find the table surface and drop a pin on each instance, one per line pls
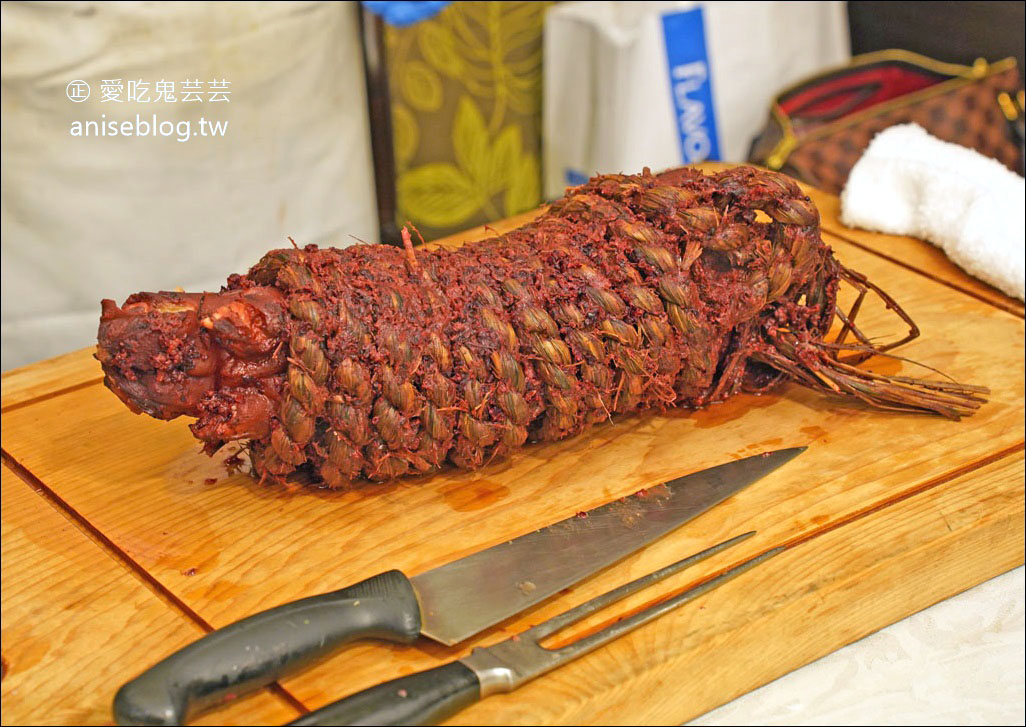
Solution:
(958, 662)
(109, 616)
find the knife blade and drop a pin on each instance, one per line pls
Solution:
(465, 597)
(449, 603)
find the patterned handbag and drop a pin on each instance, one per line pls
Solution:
(819, 128)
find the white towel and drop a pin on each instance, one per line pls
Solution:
(910, 183)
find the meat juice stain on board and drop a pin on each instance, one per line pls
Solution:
(473, 495)
(718, 414)
(814, 432)
(31, 650)
(187, 473)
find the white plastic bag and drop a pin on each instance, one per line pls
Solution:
(659, 84)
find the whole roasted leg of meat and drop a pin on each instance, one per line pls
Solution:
(630, 292)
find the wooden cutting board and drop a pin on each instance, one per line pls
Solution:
(121, 542)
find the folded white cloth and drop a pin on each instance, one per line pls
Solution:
(910, 183)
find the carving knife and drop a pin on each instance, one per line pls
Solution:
(449, 603)
(428, 697)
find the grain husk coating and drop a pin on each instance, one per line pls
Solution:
(630, 293)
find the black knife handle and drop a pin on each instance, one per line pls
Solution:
(257, 650)
(427, 697)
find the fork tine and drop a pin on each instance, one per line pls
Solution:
(615, 630)
(577, 613)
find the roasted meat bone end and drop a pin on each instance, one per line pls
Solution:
(214, 356)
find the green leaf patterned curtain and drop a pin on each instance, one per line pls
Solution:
(466, 89)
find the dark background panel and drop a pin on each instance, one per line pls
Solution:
(957, 32)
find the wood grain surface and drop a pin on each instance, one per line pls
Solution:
(76, 621)
(50, 378)
(888, 513)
